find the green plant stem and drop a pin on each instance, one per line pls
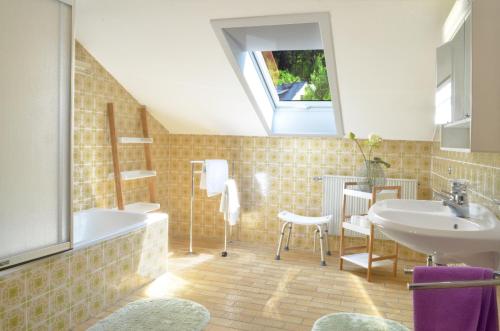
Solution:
(361, 149)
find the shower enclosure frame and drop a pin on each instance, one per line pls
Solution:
(64, 162)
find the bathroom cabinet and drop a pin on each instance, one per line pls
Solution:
(469, 67)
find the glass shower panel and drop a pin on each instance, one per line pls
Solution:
(36, 46)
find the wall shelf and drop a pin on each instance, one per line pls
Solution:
(142, 207)
(118, 175)
(456, 149)
(134, 174)
(464, 123)
(134, 140)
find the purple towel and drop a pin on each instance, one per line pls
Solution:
(459, 309)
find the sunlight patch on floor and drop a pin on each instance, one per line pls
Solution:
(166, 285)
(271, 308)
(181, 262)
(362, 290)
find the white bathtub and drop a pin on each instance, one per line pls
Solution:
(95, 225)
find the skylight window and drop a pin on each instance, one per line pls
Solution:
(295, 75)
(286, 65)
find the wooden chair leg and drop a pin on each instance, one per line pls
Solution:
(342, 220)
(370, 253)
(395, 265)
(341, 249)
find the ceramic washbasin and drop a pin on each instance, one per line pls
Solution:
(431, 228)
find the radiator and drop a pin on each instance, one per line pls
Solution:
(332, 198)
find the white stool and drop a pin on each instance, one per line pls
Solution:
(321, 224)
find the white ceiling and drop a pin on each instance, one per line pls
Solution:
(165, 54)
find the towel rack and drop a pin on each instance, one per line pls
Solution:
(453, 284)
(193, 172)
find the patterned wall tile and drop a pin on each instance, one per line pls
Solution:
(94, 88)
(480, 170)
(274, 174)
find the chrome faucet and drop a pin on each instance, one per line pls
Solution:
(456, 199)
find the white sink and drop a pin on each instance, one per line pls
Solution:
(431, 228)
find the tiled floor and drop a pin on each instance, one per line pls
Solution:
(249, 290)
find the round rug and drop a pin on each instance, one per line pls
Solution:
(356, 322)
(156, 315)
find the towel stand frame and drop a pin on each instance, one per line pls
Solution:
(194, 172)
(453, 284)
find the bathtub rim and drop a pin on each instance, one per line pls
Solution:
(150, 219)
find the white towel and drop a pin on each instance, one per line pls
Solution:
(214, 176)
(387, 194)
(230, 202)
(360, 220)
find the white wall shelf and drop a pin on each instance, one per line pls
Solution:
(142, 207)
(456, 149)
(134, 140)
(465, 123)
(118, 175)
(134, 174)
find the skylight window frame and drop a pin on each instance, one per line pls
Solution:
(278, 105)
(239, 37)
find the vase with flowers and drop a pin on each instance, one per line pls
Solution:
(373, 167)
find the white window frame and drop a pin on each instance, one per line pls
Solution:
(282, 118)
(267, 81)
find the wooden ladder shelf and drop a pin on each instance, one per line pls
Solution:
(119, 176)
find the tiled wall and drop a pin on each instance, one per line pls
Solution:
(481, 170)
(60, 292)
(284, 166)
(274, 174)
(94, 88)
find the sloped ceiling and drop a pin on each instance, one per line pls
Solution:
(166, 54)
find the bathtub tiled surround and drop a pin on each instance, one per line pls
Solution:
(276, 173)
(60, 292)
(94, 88)
(481, 170)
